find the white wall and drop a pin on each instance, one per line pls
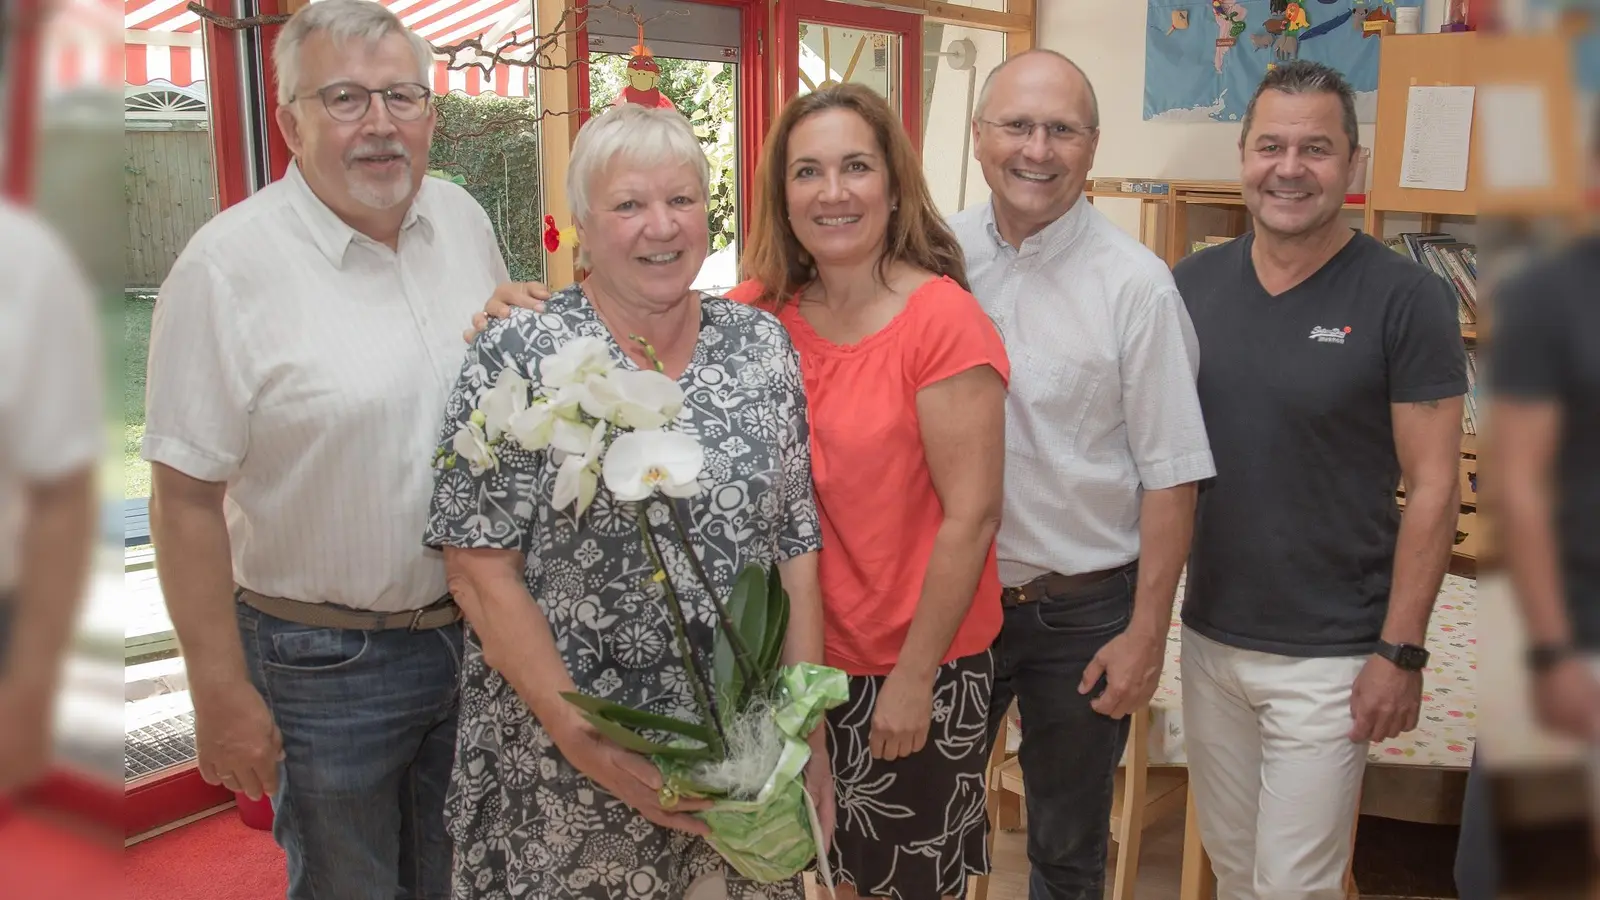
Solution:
(1107, 40)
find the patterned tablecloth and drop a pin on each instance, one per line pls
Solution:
(1444, 735)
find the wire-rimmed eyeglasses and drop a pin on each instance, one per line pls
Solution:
(1056, 132)
(347, 101)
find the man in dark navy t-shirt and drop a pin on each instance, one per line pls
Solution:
(1331, 368)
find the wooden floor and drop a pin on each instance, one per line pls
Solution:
(1160, 863)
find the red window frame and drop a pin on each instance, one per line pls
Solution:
(23, 62)
(907, 25)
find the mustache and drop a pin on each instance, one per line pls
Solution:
(378, 148)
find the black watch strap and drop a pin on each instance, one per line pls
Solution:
(1543, 657)
(1410, 657)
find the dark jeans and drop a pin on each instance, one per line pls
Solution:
(369, 725)
(1069, 752)
(1477, 851)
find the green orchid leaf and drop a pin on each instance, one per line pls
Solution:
(748, 595)
(629, 717)
(729, 679)
(777, 626)
(752, 619)
(777, 631)
(627, 740)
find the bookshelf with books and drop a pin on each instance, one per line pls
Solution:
(1406, 62)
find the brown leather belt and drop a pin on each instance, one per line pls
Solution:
(325, 615)
(1052, 583)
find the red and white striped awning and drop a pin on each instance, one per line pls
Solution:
(162, 42)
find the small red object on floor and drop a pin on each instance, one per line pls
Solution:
(256, 813)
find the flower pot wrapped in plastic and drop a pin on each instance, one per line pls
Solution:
(750, 761)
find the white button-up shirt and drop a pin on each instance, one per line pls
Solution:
(51, 394)
(307, 366)
(1102, 404)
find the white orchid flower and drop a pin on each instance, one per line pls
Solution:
(472, 445)
(640, 463)
(579, 475)
(574, 362)
(599, 397)
(571, 438)
(501, 403)
(533, 426)
(568, 402)
(645, 399)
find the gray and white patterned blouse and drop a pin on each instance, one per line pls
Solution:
(524, 821)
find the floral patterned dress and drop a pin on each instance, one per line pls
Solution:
(524, 821)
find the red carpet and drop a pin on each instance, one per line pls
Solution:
(216, 858)
(48, 857)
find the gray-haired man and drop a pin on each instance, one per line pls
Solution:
(301, 351)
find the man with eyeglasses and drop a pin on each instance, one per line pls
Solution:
(301, 350)
(1104, 447)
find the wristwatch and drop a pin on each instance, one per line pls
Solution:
(1407, 656)
(1544, 657)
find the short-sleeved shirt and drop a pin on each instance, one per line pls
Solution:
(1541, 348)
(879, 509)
(1295, 538)
(592, 578)
(1102, 405)
(304, 364)
(51, 388)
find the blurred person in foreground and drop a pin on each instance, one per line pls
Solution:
(51, 438)
(300, 352)
(1541, 474)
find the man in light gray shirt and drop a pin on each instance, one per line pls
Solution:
(1104, 447)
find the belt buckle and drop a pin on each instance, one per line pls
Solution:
(416, 620)
(1011, 596)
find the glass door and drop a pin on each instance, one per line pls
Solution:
(689, 55)
(828, 43)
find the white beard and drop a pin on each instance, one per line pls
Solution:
(379, 194)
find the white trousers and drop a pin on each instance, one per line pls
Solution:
(1274, 773)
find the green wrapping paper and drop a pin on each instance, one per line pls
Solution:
(771, 838)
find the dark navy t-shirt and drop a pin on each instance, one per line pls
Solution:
(1295, 536)
(1542, 347)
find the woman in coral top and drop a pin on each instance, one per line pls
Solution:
(905, 380)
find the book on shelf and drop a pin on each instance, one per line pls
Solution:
(1454, 261)
(1469, 409)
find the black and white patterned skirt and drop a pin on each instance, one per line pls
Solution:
(914, 828)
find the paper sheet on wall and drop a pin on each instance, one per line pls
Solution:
(1438, 138)
(1516, 142)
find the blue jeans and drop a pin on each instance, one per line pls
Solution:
(369, 724)
(1069, 752)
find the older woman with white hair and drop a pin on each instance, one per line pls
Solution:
(553, 573)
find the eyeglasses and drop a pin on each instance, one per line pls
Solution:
(349, 102)
(1056, 132)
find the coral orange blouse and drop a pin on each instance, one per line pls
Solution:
(879, 510)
